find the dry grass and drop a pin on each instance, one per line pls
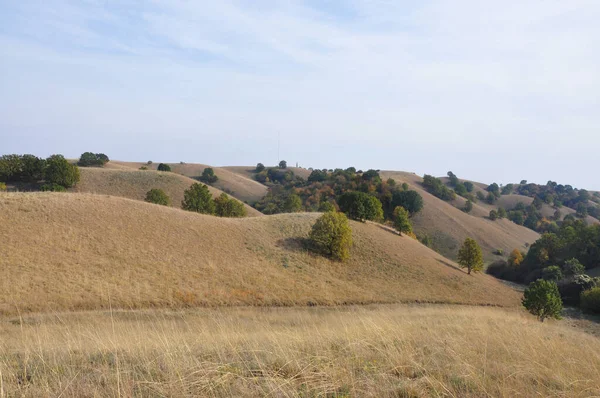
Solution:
(118, 180)
(381, 351)
(242, 187)
(448, 226)
(75, 251)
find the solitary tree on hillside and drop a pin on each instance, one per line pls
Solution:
(199, 199)
(493, 215)
(332, 236)
(543, 300)
(468, 206)
(208, 176)
(283, 164)
(259, 167)
(229, 207)
(470, 256)
(157, 196)
(164, 167)
(401, 221)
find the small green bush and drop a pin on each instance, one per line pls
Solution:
(590, 300)
(2, 186)
(157, 196)
(52, 188)
(331, 235)
(228, 207)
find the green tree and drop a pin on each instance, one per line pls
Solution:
(493, 215)
(360, 206)
(283, 164)
(501, 212)
(331, 235)
(470, 256)
(60, 171)
(542, 299)
(324, 207)
(157, 196)
(453, 179)
(468, 206)
(552, 273)
(208, 176)
(229, 207)
(292, 204)
(32, 168)
(401, 220)
(10, 167)
(469, 186)
(404, 186)
(590, 299)
(89, 159)
(199, 199)
(573, 267)
(259, 167)
(164, 167)
(410, 200)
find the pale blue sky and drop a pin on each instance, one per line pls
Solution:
(494, 91)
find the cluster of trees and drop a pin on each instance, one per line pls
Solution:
(436, 187)
(561, 257)
(361, 195)
(89, 159)
(199, 199)
(52, 174)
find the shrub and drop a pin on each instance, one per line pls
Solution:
(490, 198)
(229, 207)
(499, 252)
(60, 171)
(331, 235)
(208, 176)
(468, 206)
(164, 167)
(158, 196)
(493, 215)
(283, 164)
(501, 212)
(401, 221)
(470, 256)
(199, 199)
(52, 188)
(89, 159)
(570, 289)
(552, 273)
(426, 240)
(573, 267)
(259, 167)
(405, 187)
(542, 299)
(590, 300)
(2, 186)
(360, 206)
(469, 186)
(480, 195)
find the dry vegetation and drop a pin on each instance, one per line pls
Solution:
(241, 187)
(130, 183)
(78, 251)
(448, 226)
(377, 351)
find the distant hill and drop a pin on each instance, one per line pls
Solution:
(448, 226)
(91, 251)
(127, 182)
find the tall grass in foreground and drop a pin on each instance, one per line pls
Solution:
(400, 351)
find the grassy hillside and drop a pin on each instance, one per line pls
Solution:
(448, 226)
(374, 351)
(88, 251)
(241, 187)
(133, 184)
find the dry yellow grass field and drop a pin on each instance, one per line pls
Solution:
(370, 351)
(241, 187)
(119, 180)
(81, 251)
(448, 226)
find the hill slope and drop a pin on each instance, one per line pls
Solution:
(237, 185)
(448, 226)
(133, 184)
(90, 249)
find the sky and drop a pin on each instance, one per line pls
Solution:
(494, 91)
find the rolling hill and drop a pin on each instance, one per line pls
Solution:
(126, 182)
(448, 226)
(90, 251)
(237, 185)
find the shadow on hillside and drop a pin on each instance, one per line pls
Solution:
(294, 244)
(386, 228)
(447, 264)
